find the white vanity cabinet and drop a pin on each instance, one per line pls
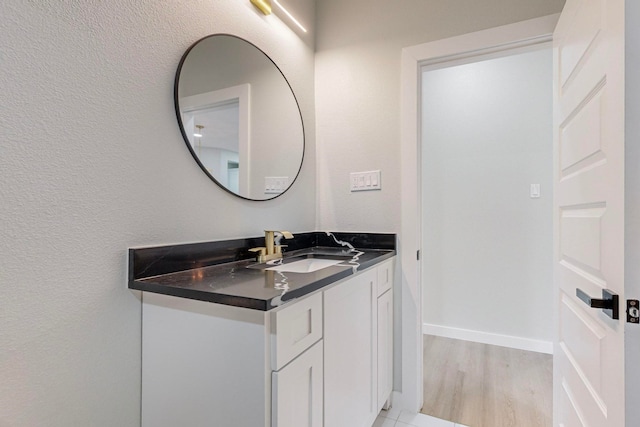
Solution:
(207, 364)
(358, 346)
(297, 364)
(350, 352)
(324, 360)
(203, 364)
(384, 336)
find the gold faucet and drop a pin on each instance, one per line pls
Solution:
(271, 250)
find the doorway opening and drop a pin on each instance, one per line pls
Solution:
(487, 237)
(460, 48)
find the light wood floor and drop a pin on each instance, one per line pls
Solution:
(481, 385)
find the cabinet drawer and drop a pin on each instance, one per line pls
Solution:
(294, 329)
(385, 276)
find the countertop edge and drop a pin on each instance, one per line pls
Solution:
(253, 303)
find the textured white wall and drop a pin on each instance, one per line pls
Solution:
(91, 163)
(358, 92)
(486, 136)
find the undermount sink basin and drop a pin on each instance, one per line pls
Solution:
(307, 265)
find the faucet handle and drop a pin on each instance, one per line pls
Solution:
(278, 248)
(261, 249)
(262, 252)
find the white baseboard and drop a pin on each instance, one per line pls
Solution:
(528, 344)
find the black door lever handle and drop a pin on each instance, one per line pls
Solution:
(608, 303)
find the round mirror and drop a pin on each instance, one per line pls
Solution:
(239, 117)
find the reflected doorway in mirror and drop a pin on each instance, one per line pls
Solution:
(217, 126)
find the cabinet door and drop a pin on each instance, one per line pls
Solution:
(385, 347)
(297, 391)
(349, 356)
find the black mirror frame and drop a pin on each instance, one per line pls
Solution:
(184, 134)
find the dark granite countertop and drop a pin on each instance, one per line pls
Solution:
(208, 276)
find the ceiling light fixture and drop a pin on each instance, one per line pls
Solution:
(263, 5)
(295, 21)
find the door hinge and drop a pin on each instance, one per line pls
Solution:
(633, 311)
(418, 255)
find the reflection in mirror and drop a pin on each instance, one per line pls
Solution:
(217, 127)
(220, 151)
(239, 117)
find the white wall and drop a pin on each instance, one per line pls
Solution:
(358, 92)
(486, 136)
(358, 52)
(92, 162)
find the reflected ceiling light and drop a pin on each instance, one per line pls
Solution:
(263, 5)
(198, 135)
(295, 21)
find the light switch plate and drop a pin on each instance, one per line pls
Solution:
(275, 184)
(534, 192)
(365, 181)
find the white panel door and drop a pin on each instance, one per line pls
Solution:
(589, 212)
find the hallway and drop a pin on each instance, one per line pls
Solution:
(481, 385)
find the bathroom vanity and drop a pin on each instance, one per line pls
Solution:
(304, 349)
(237, 333)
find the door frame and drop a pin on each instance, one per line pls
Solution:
(632, 204)
(202, 101)
(481, 43)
